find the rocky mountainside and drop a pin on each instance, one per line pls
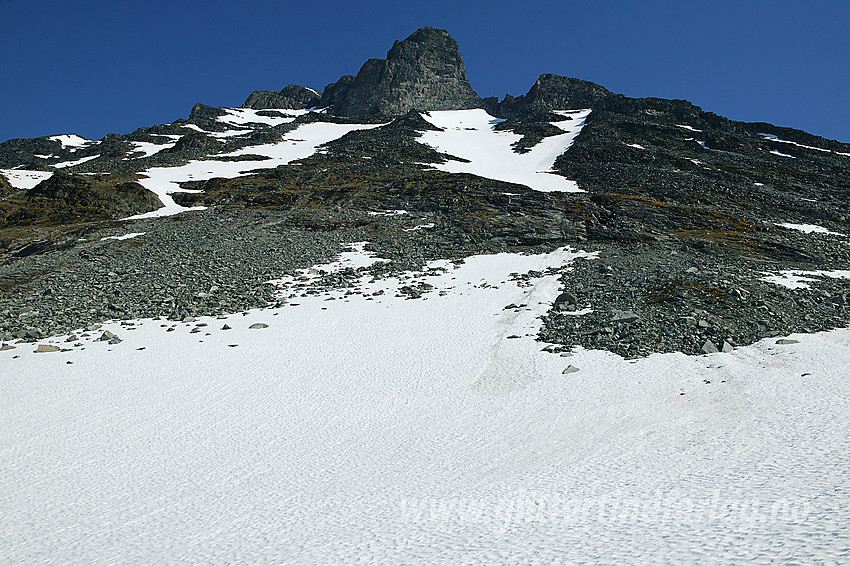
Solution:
(695, 217)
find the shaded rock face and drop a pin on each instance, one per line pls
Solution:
(19, 151)
(194, 140)
(64, 199)
(554, 92)
(292, 97)
(425, 72)
(334, 93)
(204, 112)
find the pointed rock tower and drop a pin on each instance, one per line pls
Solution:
(425, 72)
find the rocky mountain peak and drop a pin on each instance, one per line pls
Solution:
(424, 71)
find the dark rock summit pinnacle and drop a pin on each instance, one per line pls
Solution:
(424, 71)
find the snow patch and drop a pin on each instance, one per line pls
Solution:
(780, 154)
(149, 149)
(75, 161)
(772, 137)
(71, 140)
(809, 228)
(471, 135)
(241, 116)
(797, 279)
(420, 227)
(24, 179)
(124, 237)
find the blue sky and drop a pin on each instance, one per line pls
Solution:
(94, 67)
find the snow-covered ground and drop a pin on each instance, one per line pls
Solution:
(471, 135)
(75, 161)
(241, 116)
(377, 430)
(810, 228)
(25, 179)
(297, 144)
(147, 149)
(124, 236)
(800, 279)
(780, 154)
(71, 140)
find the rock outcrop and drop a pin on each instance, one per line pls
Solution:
(203, 112)
(292, 97)
(554, 92)
(424, 72)
(65, 199)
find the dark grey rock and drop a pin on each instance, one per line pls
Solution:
(566, 298)
(202, 112)
(626, 317)
(709, 348)
(553, 92)
(72, 198)
(423, 72)
(290, 97)
(106, 336)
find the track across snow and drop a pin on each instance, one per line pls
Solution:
(373, 429)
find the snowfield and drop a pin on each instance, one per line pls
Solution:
(368, 428)
(23, 178)
(471, 135)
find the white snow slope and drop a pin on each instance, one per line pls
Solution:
(23, 178)
(378, 430)
(470, 134)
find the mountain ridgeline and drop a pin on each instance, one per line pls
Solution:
(688, 210)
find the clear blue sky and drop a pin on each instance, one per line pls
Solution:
(91, 67)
